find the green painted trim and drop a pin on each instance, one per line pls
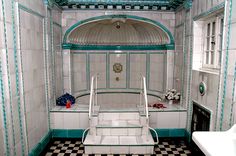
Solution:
(22, 7)
(170, 132)
(208, 12)
(226, 66)
(118, 47)
(77, 133)
(156, 23)
(67, 133)
(17, 77)
(39, 147)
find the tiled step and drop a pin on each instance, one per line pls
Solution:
(119, 144)
(119, 123)
(119, 116)
(119, 131)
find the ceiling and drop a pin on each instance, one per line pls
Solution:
(121, 4)
(118, 31)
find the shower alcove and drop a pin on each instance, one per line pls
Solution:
(119, 48)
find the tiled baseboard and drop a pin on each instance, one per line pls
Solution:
(77, 133)
(41, 145)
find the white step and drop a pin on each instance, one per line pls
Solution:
(126, 144)
(119, 128)
(119, 116)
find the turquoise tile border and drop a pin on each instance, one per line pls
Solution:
(67, 133)
(170, 132)
(4, 104)
(226, 66)
(118, 47)
(39, 147)
(16, 70)
(77, 133)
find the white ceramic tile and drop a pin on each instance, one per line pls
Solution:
(168, 119)
(119, 131)
(137, 150)
(83, 120)
(119, 150)
(101, 149)
(110, 140)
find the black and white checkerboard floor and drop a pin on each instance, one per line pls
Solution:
(166, 147)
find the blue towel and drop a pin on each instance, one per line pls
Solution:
(61, 101)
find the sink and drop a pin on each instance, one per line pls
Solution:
(232, 129)
(217, 143)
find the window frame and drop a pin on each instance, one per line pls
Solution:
(218, 35)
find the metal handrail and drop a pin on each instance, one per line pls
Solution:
(93, 95)
(143, 93)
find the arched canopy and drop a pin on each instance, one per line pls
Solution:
(118, 32)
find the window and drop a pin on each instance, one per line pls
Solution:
(213, 30)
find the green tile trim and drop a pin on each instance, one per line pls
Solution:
(156, 23)
(226, 66)
(67, 133)
(170, 132)
(117, 47)
(39, 147)
(17, 77)
(4, 113)
(208, 12)
(77, 133)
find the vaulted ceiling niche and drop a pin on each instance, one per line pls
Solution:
(118, 32)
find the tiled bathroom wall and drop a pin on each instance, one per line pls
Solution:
(24, 73)
(219, 99)
(153, 65)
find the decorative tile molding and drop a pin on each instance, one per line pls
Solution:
(16, 66)
(187, 4)
(117, 47)
(225, 70)
(4, 104)
(114, 4)
(77, 133)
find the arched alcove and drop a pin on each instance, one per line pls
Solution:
(123, 32)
